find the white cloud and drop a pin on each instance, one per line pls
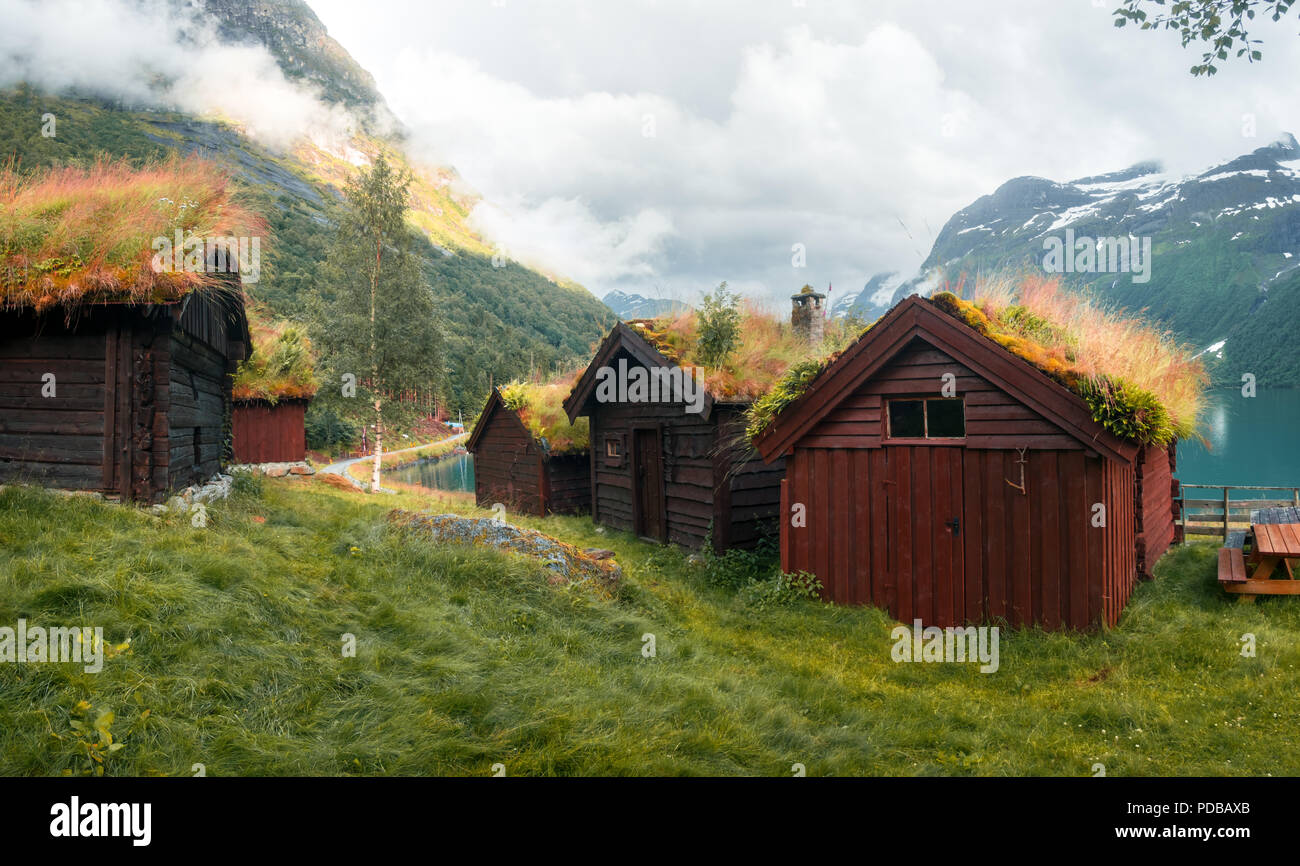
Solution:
(562, 236)
(857, 129)
(151, 53)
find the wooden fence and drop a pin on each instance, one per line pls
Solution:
(1221, 513)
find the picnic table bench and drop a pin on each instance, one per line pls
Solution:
(1273, 540)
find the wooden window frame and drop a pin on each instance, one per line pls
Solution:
(927, 439)
(615, 440)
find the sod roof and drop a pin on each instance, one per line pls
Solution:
(766, 350)
(1140, 383)
(283, 365)
(540, 406)
(72, 236)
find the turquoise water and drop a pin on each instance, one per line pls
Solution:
(1253, 441)
(454, 472)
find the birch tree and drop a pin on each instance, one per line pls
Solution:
(377, 321)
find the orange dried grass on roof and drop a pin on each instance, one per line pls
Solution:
(540, 406)
(74, 235)
(765, 349)
(1122, 363)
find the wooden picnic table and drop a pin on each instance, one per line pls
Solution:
(1273, 540)
(1274, 544)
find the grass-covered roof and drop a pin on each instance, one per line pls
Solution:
(74, 235)
(1141, 384)
(766, 349)
(540, 406)
(282, 366)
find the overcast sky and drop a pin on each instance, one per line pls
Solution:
(650, 143)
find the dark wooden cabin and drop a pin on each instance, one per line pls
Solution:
(976, 506)
(669, 475)
(266, 432)
(514, 468)
(141, 393)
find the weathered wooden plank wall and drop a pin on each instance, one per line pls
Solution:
(1155, 515)
(878, 532)
(197, 390)
(508, 466)
(568, 483)
(57, 440)
(687, 447)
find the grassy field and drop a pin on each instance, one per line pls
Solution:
(467, 658)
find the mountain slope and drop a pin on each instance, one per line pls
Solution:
(498, 316)
(1225, 249)
(301, 46)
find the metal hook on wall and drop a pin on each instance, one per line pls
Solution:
(1022, 461)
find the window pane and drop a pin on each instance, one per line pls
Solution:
(946, 419)
(906, 419)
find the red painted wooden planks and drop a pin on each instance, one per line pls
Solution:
(925, 529)
(900, 541)
(262, 433)
(995, 547)
(946, 538)
(881, 579)
(1049, 538)
(973, 585)
(1095, 537)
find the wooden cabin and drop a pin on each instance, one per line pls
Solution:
(520, 470)
(139, 400)
(667, 474)
(262, 431)
(981, 504)
(116, 348)
(272, 390)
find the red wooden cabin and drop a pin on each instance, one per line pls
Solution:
(266, 432)
(981, 504)
(514, 468)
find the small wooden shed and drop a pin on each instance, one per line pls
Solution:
(272, 390)
(519, 469)
(995, 499)
(667, 474)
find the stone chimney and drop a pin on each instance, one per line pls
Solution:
(808, 315)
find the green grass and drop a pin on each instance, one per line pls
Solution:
(468, 657)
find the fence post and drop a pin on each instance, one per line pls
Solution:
(1181, 526)
(1225, 515)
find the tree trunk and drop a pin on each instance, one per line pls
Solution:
(374, 367)
(379, 447)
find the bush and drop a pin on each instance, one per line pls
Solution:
(734, 569)
(783, 590)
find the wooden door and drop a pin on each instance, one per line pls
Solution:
(648, 484)
(925, 540)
